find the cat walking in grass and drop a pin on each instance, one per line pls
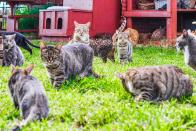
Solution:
(156, 83)
(11, 52)
(64, 62)
(28, 95)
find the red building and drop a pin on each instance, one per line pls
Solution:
(58, 23)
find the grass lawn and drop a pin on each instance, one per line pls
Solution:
(103, 104)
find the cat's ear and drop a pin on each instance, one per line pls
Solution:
(76, 23)
(120, 75)
(3, 36)
(28, 70)
(13, 36)
(58, 46)
(185, 33)
(13, 68)
(88, 24)
(42, 45)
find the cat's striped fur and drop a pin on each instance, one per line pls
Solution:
(1, 51)
(102, 46)
(124, 47)
(64, 62)
(156, 83)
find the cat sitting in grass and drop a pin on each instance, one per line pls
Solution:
(187, 43)
(28, 95)
(64, 62)
(12, 53)
(81, 33)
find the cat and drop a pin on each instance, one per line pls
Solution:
(133, 35)
(81, 33)
(21, 41)
(187, 43)
(124, 47)
(102, 46)
(28, 95)
(12, 53)
(156, 83)
(64, 62)
(1, 51)
(120, 29)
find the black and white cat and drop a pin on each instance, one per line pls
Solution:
(187, 43)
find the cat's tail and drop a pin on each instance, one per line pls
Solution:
(24, 122)
(29, 43)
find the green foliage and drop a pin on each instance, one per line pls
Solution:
(103, 104)
(29, 23)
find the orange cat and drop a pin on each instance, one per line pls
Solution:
(133, 35)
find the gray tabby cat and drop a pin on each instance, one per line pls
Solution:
(28, 95)
(156, 83)
(124, 47)
(12, 53)
(187, 43)
(63, 62)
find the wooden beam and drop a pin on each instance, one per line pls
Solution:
(147, 13)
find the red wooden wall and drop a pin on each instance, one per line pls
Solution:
(130, 11)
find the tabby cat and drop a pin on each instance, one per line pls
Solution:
(156, 83)
(102, 46)
(187, 43)
(81, 33)
(12, 53)
(63, 62)
(120, 29)
(124, 47)
(28, 95)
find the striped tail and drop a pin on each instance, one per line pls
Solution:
(123, 24)
(120, 29)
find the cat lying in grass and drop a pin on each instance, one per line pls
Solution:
(156, 83)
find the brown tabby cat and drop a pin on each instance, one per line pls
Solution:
(102, 46)
(156, 83)
(81, 33)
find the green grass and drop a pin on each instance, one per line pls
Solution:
(103, 104)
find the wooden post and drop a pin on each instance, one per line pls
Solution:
(129, 9)
(172, 20)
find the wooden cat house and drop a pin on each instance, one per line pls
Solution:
(57, 23)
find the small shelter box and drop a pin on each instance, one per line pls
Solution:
(58, 21)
